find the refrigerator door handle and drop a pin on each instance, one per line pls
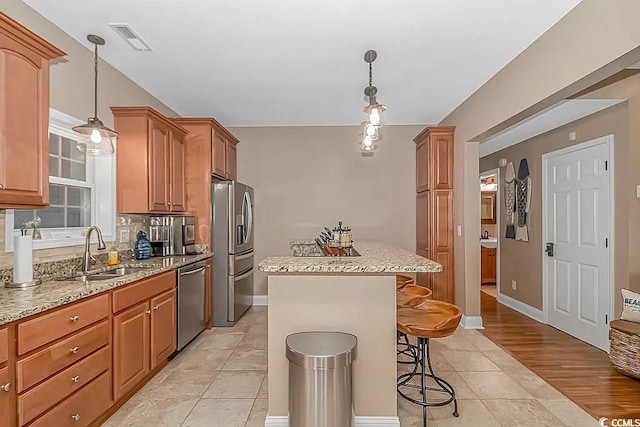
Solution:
(245, 256)
(249, 217)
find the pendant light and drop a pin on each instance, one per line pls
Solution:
(99, 141)
(374, 110)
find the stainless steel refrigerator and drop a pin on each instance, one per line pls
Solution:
(232, 239)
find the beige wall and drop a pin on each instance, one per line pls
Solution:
(71, 85)
(522, 261)
(335, 303)
(574, 54)
(309, 177)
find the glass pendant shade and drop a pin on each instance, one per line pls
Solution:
(374, 113)
(370, 130)
(99, 141)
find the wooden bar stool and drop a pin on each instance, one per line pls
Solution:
(426, 320)
(402, 281)
(408, 296)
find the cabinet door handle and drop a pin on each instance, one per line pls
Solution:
(74, 319)
(75, 417)
(75, 379)
(148, 311)
(156, 307)
(75, 350)
(1, 187)
(5, 387)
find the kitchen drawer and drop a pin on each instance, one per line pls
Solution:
(4, 345)
(51, 326)
(143, 290)
(41, 365)
(40, 398)
(81, 408)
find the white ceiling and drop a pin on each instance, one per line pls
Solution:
(553, 117)
(294, 62)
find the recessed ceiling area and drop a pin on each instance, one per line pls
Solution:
(297, 63)
(553, 117)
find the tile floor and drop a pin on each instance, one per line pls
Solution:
(220, 380)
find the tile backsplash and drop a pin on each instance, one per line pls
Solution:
(126, 224)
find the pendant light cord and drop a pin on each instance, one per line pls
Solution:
(95, 83)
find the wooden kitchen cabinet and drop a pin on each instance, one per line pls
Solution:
(163, 319)
(177, 169)
(130, 348)
(434, 208)
(219, 156)
(24, 116)
(5, 397)
(210, 150)
(150, 166)
(231, 161)
(144, 329)
(488, 265)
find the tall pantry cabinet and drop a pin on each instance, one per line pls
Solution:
(434, 207)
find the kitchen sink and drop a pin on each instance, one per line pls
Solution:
(106, 275)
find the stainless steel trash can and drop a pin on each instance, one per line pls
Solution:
(320, 376)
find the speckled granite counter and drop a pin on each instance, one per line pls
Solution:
(16, 304)
(375, 258)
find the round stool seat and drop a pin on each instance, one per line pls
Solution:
(429, 319)
(402, 281)
(411, 295)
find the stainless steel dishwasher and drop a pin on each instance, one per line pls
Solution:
(191, 303)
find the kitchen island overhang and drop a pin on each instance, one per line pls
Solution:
(349, 294)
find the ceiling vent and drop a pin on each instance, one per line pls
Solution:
(130, 36)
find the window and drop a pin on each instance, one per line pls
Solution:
(77, 186)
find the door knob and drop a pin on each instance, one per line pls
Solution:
(549, 249)
(156, 307)
(75, 417)
(148, 311)
(75, 350)
(74, 319)
(5, 387)
(75, 379)
(1, 187)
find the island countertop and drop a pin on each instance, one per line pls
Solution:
(375, 258)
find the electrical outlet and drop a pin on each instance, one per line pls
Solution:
(513, 285)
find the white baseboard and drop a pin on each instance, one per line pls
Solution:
(260, 300)
(521, 307)
(471, 322)
(283, 421)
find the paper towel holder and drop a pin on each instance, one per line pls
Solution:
(13, 285)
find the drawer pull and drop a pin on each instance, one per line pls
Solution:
(148, 311)
(5, 387)
(156, 307)
(1, 187)
(75, 417)
(75, 319)
(75, 350)
(76, 379)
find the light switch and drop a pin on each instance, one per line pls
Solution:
(638, 191)
(460, 227)
(573, 136)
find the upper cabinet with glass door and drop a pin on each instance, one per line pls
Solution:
(24, 116)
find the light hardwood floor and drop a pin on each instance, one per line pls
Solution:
(578, 370)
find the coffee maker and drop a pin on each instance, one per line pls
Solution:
(172, 235)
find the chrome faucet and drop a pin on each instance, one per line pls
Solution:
(87, 258)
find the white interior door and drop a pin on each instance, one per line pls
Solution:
(578, 207)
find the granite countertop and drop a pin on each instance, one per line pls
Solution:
(375, 258)
(16, 304)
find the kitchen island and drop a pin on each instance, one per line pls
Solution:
(349, 294)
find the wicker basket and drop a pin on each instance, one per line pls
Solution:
(624, 352)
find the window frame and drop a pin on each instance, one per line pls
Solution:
(103, 198)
